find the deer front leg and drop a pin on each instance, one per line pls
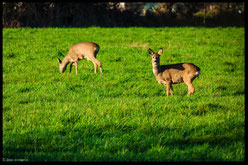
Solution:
(76, 66)
(168, 86)
(71, 66)
(171, 90)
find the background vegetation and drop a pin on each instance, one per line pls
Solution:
(116, 14)
(123, 114)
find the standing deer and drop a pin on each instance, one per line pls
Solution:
(174, 73)
(87, 50)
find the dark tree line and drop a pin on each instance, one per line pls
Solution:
(112, 14)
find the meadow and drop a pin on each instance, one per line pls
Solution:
(122, 114)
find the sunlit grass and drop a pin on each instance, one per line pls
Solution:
(123, 114)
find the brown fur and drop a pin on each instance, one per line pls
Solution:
(79, 51)
(174, 73)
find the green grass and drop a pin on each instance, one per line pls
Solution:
(123, 114)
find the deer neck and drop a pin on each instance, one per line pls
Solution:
(156, 68)
(65, 62)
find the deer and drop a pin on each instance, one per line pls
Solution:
(79, 51)
(173, 73)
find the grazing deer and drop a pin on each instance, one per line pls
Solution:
(87, 50)
(174, 73)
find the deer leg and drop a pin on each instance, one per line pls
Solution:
(76, 66)
(168, 84)
(71, 66)
(171, 90)
(191, 88)
(97, 62)
(100, 67)
(95, 65)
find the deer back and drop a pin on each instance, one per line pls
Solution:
(177, 72)
(83, 50)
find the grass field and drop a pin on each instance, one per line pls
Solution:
(123, 114)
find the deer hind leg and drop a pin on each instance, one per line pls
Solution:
(95, 66)
(191, 88)
(99, 64)
(96, 63)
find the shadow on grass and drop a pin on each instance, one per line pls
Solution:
(133, 138)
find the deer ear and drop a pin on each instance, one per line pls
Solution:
(59, 60)
(150, 51)
(160, 52)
